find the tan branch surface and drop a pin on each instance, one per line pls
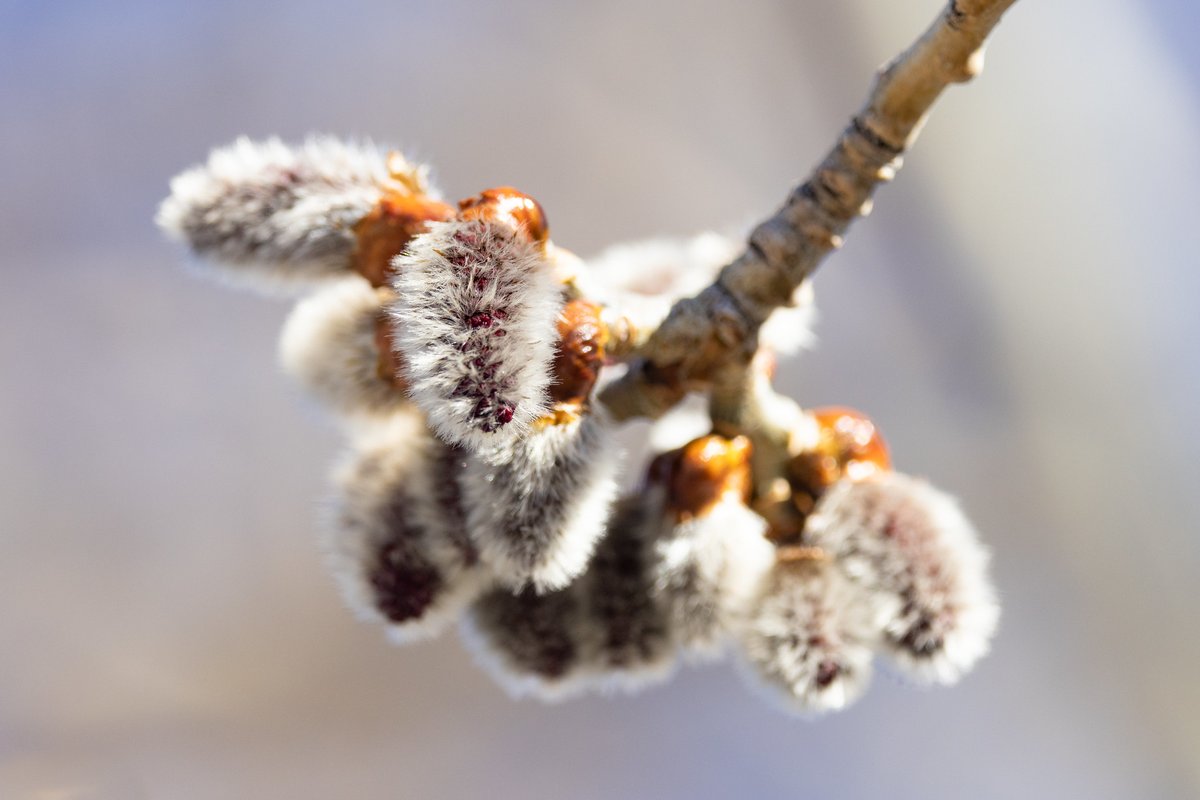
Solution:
(705, 334)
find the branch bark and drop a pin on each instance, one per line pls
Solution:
(704, 335)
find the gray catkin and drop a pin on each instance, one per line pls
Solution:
(707, 568)
(911, 549)
(630, 639)
(807, 638)
(394, 533)
(607, 629)
(271, 215)
(530, 643)
(537, 514)
(475, 316)
(329, 347)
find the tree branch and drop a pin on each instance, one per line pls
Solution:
(704, 334)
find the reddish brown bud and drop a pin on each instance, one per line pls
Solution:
(703, 472)
(387, 229)
(505, 203)
(582, 339)
(848, 446)
(853, 439)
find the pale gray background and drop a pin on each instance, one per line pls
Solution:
(1018, 314)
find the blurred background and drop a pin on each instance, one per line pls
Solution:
(1018, 315)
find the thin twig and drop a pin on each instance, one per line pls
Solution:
(719, 326)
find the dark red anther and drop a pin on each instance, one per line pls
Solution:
(827, 672)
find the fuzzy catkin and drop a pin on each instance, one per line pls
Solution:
(270, 215)
(475, 322)
(708, 568)
(395, 535)
(629, 637)
(911, 549)
(536, 510)
(329, 345)
(808, 637)
(531, 644)
(609, 629)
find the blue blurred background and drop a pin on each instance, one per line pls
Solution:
(1018, 314)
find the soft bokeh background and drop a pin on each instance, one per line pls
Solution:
(1018, 314)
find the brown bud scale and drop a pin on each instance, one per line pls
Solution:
(384, 232)
(506, 204)
(702, 473)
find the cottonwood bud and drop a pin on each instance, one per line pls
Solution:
(530, 643)
(508, 206)
(270, 215)
(808, 636)
(536, 516)
(911, 549)
(538, 504)
(844, 444)
(628, 636)
(475, 322)
(609, 629)
(395, 533)
(337, 344)
(713, 551)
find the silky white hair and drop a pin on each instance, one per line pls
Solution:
(708, 568)
(606, 631)
(272, 216)
(328, 345)
(536, 514)
(394, 533)
(909, 546)
(475, 321)
(808, 637)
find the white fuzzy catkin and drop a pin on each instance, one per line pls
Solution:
(329, 346)
(910, 547)
(395, 534)
(642, 280)
(475, 314)
(808, 637)
(531, 644)
(708, 570)
(629, 640)
(536, 514)
(270, 215)
(608, 630)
